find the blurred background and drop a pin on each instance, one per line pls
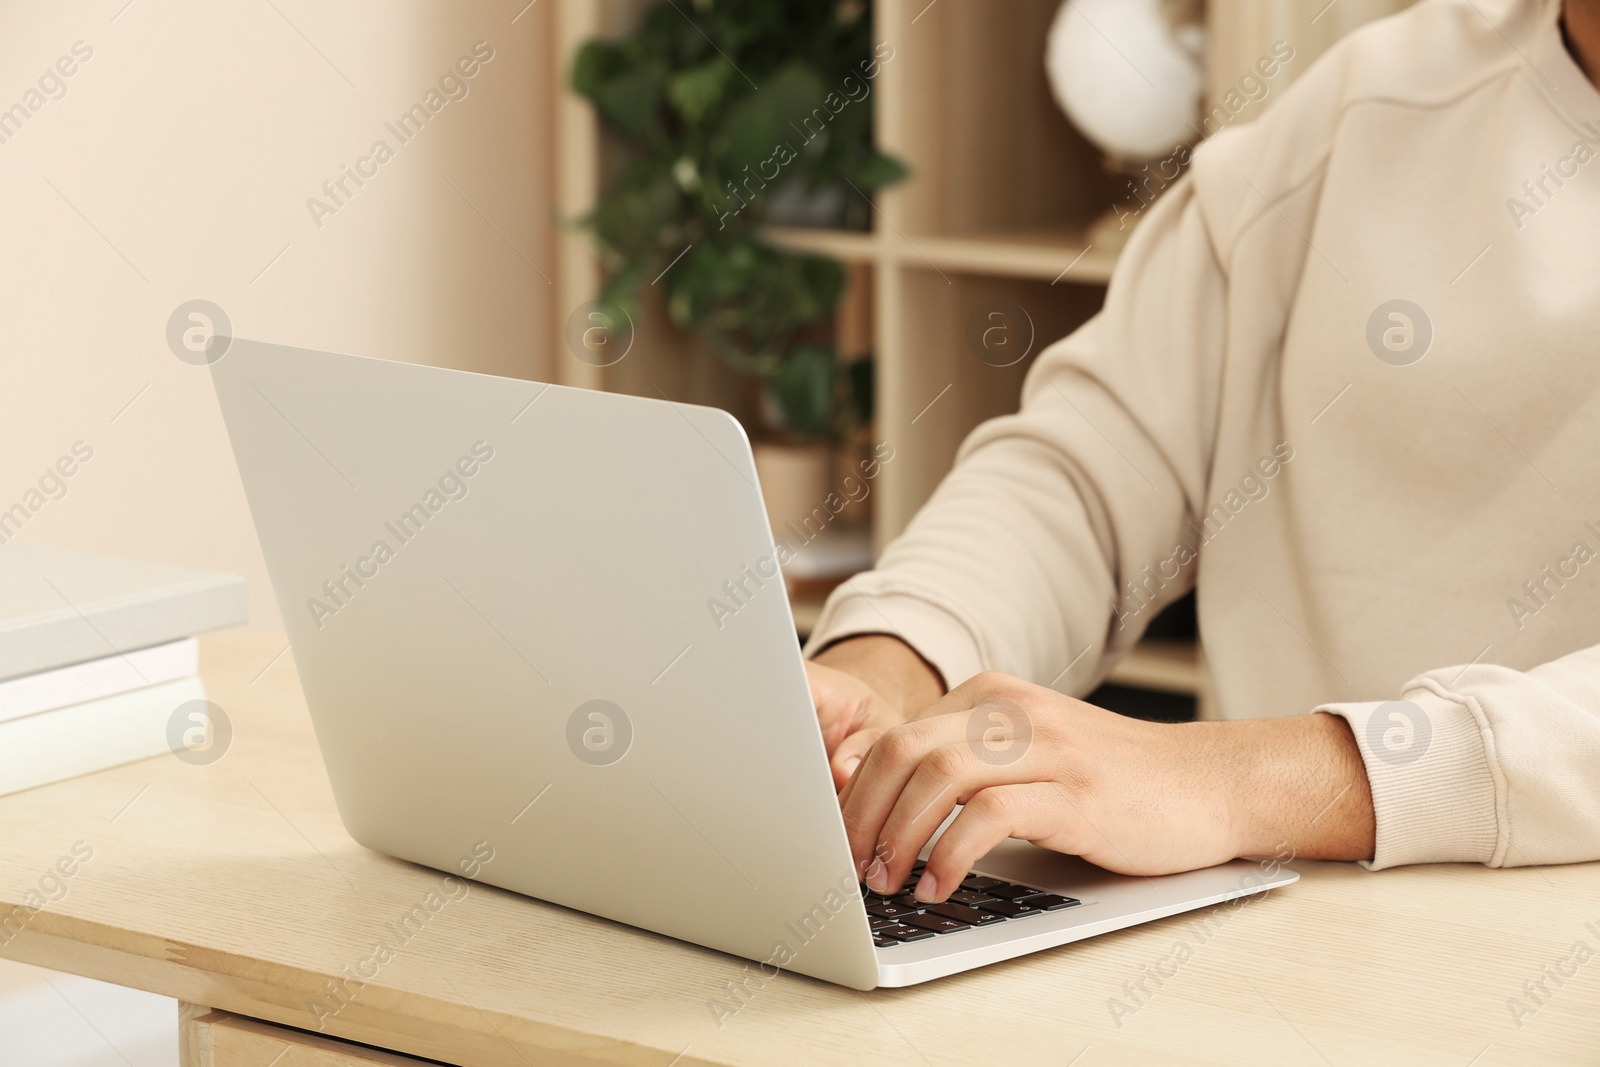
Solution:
(852, 224)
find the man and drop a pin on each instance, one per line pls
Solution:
(1347, 384)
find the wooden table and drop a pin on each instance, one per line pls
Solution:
(234, 888)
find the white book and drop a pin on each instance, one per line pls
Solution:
(84, 738)
(61, 606)
(96, 678)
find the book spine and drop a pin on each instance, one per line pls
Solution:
(91, 680)
(92, 736)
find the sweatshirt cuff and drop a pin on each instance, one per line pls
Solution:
(1433, 785)
(938, 635)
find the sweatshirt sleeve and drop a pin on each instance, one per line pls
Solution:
(1015, 562)
(1484, 764)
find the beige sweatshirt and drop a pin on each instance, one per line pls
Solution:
(1390, 511)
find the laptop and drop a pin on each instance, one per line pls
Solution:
(497, 592)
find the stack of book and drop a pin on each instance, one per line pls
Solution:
(97, 656)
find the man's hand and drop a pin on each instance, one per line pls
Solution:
(863, 686)
(1131, 796)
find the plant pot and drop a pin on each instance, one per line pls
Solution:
(795, 483)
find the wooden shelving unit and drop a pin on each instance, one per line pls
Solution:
(1002, 191)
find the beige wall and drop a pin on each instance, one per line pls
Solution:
(178, 165)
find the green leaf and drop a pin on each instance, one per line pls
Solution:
(803, 388)
(633, 101)
(877, 170)
(596, 63)
(768, 118)
(631, 220)
(704, 278)
(698, 90)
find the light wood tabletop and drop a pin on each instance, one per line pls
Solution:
(233, 886)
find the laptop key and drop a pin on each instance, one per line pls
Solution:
(909, 902)
(1011, 909)
(905, 933)
(979, 882)
(875, 923)
(890, 910)
(1050, 902)
(971, 916)
(1007, 891)
(939, 924)
(969, 896)
(883, 942)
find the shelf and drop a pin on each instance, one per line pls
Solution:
(1054, 256)
(848, 245)
(1165, 666)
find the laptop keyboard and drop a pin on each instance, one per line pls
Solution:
(981, 901)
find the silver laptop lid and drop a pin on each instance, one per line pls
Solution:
(497, 595)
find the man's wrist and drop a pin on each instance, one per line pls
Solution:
(1302, 786)
(894, 670)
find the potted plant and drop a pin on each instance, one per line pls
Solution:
(710, 161)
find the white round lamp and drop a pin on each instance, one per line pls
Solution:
(1129, 74)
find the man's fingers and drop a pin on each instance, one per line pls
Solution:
(945, 777)
(849, 753)
(1028, 812)
(871, 793)
(939, 761)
